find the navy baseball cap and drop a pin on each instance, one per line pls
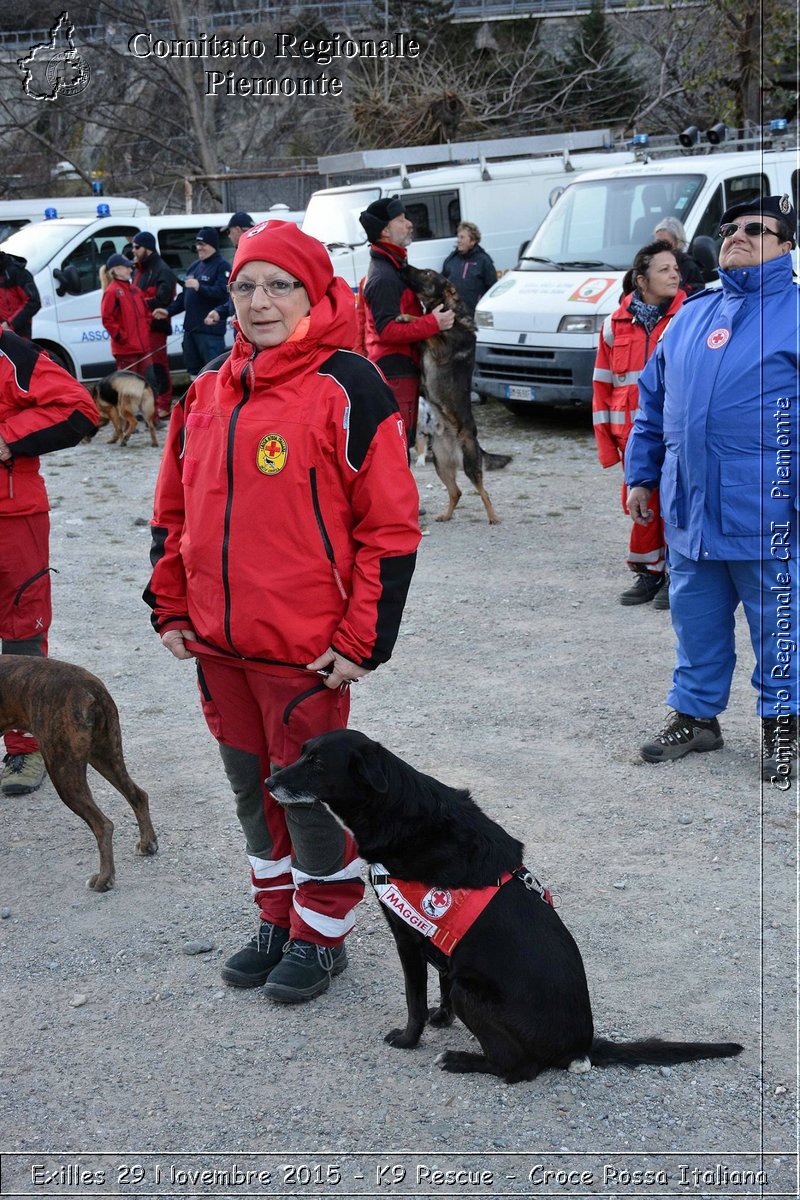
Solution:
(241, 220)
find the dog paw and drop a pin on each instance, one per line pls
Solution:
(401, 1039)
(580, 1066)
(96, 883)
(150, 847)
(440, 1016)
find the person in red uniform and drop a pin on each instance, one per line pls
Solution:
(391, 342)
(284, 540)
(628, 338)
(125, 316)
(158, 284)
(42, 409)
(19, 295)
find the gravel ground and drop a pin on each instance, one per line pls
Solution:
(516, 674)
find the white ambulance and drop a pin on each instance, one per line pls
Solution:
(16, 213)
(538, 326)
(506, 198)
(65, 254)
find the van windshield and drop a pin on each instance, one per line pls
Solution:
(332, 217)
(39, 242)
(603, 222)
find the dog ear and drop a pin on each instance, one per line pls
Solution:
(368, 767)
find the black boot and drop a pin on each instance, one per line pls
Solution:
(646, 587)
(250, 966)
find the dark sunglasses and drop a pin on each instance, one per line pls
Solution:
(751, 229)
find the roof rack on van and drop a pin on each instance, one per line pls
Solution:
(401, 158)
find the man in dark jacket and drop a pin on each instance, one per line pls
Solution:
(159, 284)
(205, 287)
(469, 268)
(19, 295)
(391, 338)
(42, 408)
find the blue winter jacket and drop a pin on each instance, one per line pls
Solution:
(212, 274)
(718, 426)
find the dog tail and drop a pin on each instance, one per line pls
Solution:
(657, 1052)
(494, 462)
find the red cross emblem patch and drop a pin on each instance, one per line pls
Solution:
(436, 902)
(271, 455)
(717, 339)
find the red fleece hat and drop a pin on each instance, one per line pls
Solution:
(282, 243)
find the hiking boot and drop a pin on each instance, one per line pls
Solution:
(22, 773)
(681, 735)
(644, 589)
(251, 965)
(305, 971)
(779, 754)
(661, 601)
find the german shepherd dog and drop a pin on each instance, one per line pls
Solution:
(447, 363)
(119, 397)
(516, 977)
(75, 721)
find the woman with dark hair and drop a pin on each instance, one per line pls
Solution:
(652, 296)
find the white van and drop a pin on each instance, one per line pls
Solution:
(16, 213)
(538, 326)
(505, 199)
(65, 255)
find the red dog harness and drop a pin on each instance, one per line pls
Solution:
(442, 914)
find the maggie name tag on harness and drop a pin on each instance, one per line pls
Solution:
(442, 914)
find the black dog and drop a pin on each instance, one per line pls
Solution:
(447, 364)
(516, 977)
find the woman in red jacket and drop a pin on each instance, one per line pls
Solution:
(284, 540)
(627, 340)
(125, 315)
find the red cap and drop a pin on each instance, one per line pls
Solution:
(282, 243)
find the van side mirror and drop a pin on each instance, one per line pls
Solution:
(68, 280)
(704, 251)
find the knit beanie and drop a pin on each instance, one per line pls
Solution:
(282, 243)
(117, 260)
(145, 239)
(376, 216)
(209, 235)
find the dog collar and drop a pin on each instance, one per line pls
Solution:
(443, 914)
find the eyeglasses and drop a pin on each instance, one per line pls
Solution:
(276, 289)
(750, 229)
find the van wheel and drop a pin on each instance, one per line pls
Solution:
(59, 357)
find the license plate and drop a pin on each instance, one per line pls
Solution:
(514, 392)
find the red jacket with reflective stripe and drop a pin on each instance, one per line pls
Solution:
(42, 408)
(622, 352)
(285, 511)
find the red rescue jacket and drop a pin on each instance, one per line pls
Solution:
(42, 408)
(622, 352)
(285, 512)
(393, 344)
(124, 313)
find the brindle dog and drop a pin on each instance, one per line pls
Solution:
(75, 722)
(447, 363)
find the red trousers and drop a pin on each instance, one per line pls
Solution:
(25, 606)
(647, 549)
(157, 365)
(305, 871)
(406, 393)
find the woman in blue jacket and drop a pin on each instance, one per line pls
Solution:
(717, 432)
